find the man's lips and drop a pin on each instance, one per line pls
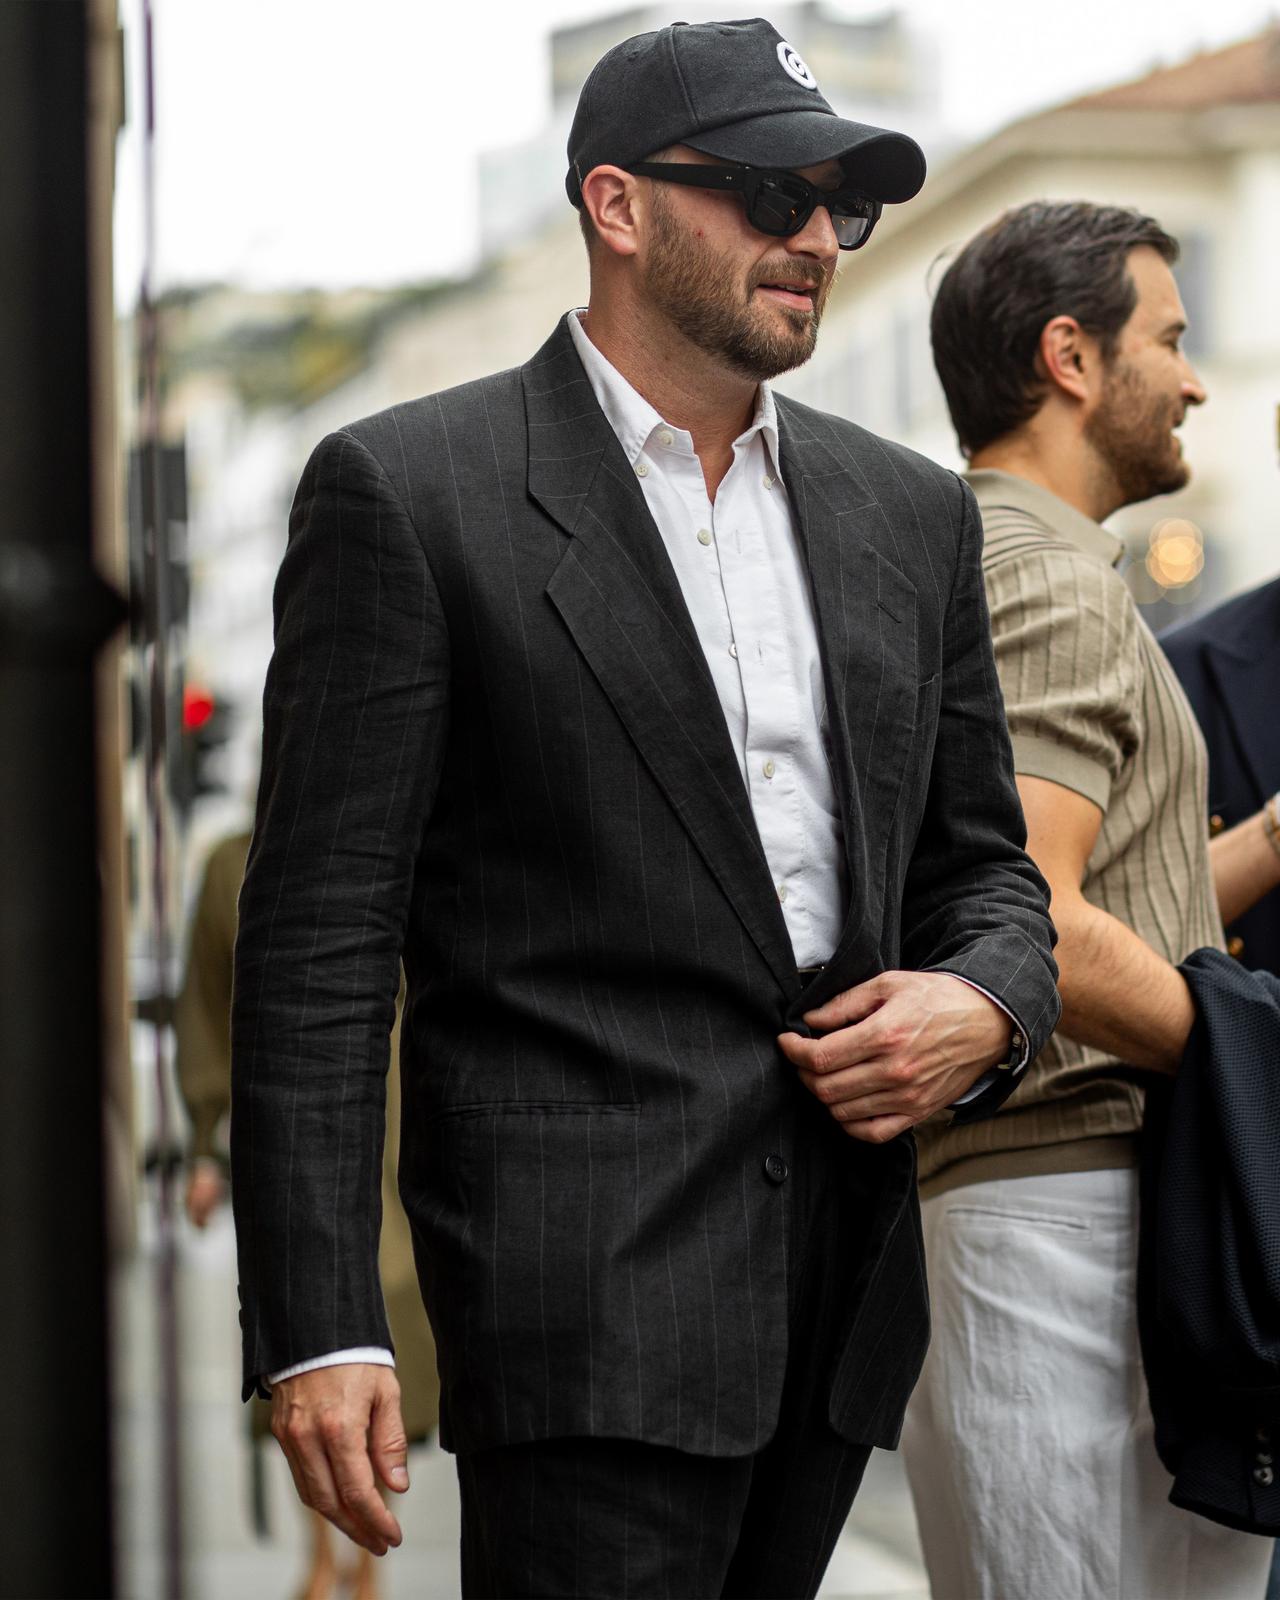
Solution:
(800, 295)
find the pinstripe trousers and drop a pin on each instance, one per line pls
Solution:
(627, 1520)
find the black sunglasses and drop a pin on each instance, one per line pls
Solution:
(778, 203)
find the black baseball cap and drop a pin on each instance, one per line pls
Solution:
(736, 90)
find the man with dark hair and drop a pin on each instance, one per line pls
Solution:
(1029, 1441)
(569, 704)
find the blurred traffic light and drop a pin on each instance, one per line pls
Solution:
(207, 725)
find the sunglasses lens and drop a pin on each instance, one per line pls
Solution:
(780, 205)
(853, 217)
(850, 231)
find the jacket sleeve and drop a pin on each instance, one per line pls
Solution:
(354, 723)
(974, 903)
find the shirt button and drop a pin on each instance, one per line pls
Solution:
(704, 535)
(775, 1169)
(782, 891)
(733, 651)
(768, 769)
(768, 483)
(641, 470)
(666, 436)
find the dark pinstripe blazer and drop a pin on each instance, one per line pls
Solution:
(492, 743)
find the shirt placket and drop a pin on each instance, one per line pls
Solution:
(757, 600)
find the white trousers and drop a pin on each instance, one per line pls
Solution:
(1029, 1439)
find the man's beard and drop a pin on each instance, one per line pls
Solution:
(697, 289)
(1132, 433)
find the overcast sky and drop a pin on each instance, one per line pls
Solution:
(334, 141)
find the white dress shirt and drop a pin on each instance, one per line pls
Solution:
(744, 581)
(742, 576)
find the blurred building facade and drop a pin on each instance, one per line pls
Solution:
(1195, 145)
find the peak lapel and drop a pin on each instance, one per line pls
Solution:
(866, 615)
(618, 595)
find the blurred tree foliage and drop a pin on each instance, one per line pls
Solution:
(282, 348)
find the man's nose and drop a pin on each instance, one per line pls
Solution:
(816, 238)
(1193, 389)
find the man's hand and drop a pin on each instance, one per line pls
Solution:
(896, 1049)
(338, 1426)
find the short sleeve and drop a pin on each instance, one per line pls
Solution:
(1067, 654)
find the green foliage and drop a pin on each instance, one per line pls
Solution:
(282, 349)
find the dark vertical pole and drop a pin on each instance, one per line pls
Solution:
(158, 598)
(55, 1524)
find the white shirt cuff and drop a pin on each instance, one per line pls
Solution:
(370, 1355)
(1018, 1043)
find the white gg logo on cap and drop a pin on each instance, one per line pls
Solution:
(794, 67)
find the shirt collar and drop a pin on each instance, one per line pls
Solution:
(634, 420)
(1006, 491)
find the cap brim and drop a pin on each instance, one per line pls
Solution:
(885, 165)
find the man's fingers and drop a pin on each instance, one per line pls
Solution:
(358, 1495)
(834, 1052)
(852, 1005)
(388, 1446)
(866, 1091)
(877, 1130)
(314, 1482)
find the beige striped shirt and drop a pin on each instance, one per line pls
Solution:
(1094, 706)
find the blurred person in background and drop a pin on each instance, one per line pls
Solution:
(1057, 337)
(569, 705)
(1228, 662)
(202, 1024)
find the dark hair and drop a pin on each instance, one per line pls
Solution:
(1039, 261)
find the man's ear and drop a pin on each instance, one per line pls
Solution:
(609, 197)
(1067, 357)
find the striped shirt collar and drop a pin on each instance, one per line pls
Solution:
(1005, 491)
(634, 420)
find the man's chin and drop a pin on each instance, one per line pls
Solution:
(1178, 475)
(763, 364)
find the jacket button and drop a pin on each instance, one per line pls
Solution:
(1265, 1476)
(775, 1169)
(1216, 825)
(1235, 947)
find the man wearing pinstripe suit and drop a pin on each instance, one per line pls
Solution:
(654, 721)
